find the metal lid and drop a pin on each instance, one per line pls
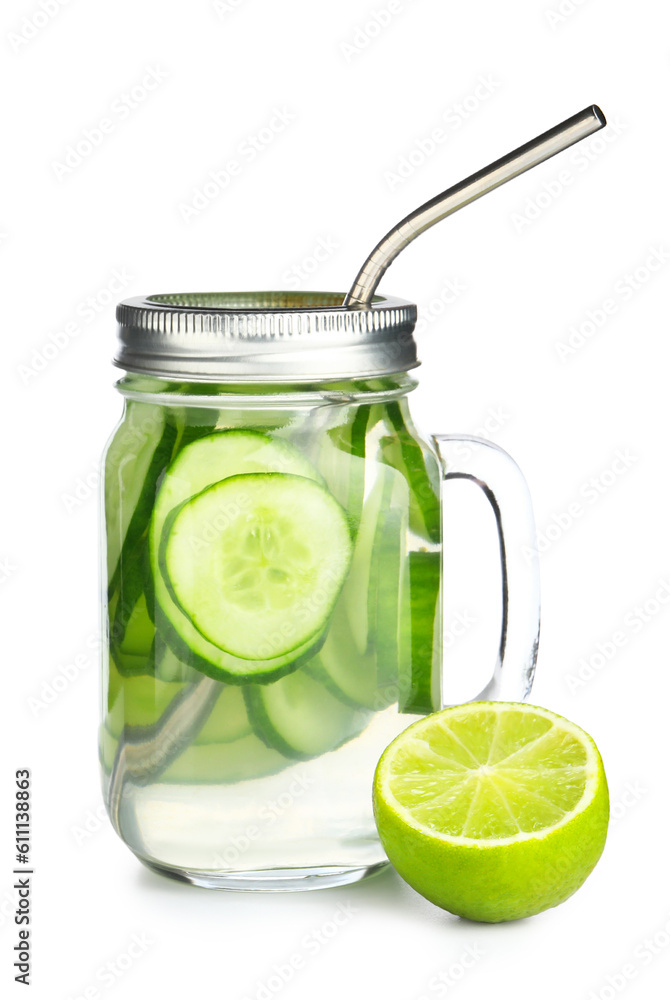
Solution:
(264, 336)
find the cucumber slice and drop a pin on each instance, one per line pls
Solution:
(257, 562)
(300, 718)
(225, 763)
(388, 494)
(342, 462)
(404, 453)
(138, 452)
(215, 763)
(341, 669)
(389, 556)
(130, 664)
(360, 655)
(139, 631)
(169, 666)
(194, 423)
(424, 593)
(228, 720)
(358, 595)
(128, 591)
(132, 635)
(139, 702)
(197, 466)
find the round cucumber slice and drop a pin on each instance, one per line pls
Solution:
(200, 464)
(339, 666)
(257, 562)
(300, 718)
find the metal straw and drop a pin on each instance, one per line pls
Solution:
(519, 160)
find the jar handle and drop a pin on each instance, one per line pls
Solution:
(504, 486)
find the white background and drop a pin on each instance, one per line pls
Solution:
(531, 262)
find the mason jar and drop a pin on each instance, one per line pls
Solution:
(272, 578)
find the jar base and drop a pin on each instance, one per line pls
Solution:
(270, 879)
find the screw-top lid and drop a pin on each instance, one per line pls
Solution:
(265, 336)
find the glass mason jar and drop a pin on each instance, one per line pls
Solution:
(272, 579)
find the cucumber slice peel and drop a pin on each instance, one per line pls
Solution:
(300, 718)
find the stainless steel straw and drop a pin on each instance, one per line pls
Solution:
(517, 162)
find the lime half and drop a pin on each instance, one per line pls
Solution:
(492, 810)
